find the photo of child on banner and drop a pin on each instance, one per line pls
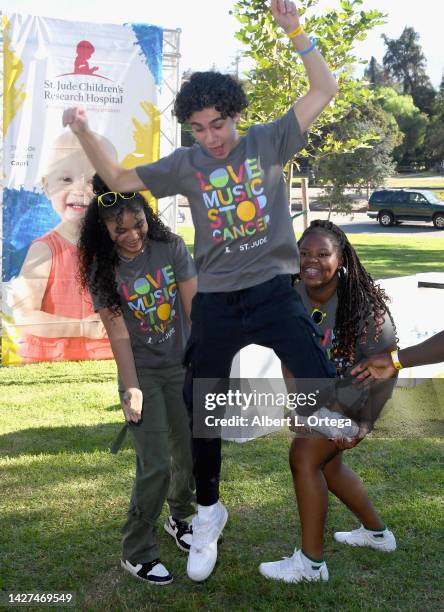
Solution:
(54, 316)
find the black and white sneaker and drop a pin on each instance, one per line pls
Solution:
(153, 572)
(181, 531)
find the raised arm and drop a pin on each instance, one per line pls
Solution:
(117, 178)
(323, 86)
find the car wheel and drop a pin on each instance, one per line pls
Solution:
(438, 221)
(386, 218)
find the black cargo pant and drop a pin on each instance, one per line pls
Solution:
(270, 314)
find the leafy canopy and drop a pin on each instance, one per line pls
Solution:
(278, 77)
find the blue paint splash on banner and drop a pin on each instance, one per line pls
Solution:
(150, 40)
(26, 216)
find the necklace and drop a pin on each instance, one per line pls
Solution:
(128, 259)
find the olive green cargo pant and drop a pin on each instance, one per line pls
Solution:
(164, 465)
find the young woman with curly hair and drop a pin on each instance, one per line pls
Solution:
(142, 281)
(351, 313)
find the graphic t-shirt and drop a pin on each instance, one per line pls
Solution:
(244, 235)
(363, 405)
(151, 304)
(370, 346)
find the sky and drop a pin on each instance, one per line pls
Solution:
(208, 28)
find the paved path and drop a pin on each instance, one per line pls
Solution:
(359, 223)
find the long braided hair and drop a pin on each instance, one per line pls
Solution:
(98, 257)
(359, 297)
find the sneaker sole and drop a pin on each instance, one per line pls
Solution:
(170, 531)
(304, 579)
(375, 546)
(134, 575)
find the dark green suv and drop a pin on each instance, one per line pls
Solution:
(391, 206)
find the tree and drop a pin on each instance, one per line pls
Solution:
(278, 77)
(376, 74)
(411, 122)
(434, 139)
(366, 166)
(405, 62)
(434, 142)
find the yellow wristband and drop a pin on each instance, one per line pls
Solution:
(295, 32)
(395, 359)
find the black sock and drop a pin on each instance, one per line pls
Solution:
(318, 562)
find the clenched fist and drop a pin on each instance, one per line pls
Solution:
(76, 119)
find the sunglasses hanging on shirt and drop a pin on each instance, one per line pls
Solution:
(318, 316)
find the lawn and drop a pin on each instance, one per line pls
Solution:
(399, 255)
(64, 496)
(421, 179)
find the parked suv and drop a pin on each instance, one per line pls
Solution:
(391, 206)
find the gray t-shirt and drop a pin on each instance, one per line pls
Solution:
(151, 304)
(244, 235)
(370, 346)
(364, 405)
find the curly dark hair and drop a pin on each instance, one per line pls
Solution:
(207, 90)
(359, 297)
(98, 256)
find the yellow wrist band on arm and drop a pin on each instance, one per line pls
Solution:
(396, 363)
(295, 32)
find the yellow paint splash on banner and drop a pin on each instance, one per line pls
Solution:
(146, 138)
(13, 96)
(9, 343)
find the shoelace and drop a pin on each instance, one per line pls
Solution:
(201, 533)
(182, 528)
(147, 567)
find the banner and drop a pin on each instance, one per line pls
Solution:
(115, 73)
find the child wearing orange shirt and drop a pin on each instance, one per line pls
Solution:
(54, 314)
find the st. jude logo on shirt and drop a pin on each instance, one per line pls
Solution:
(151, 298)
(235, 201)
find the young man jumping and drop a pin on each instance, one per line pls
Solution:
(245, 248)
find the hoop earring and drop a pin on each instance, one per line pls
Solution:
(342, 272)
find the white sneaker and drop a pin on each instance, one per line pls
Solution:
(153, 572)
(380, 540)
(203, 551)
(294, 569)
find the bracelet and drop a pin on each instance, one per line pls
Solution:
(395, 358)
(295, 32)
(314, 42)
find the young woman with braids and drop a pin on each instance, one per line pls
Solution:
(351, 313)
(142, 281)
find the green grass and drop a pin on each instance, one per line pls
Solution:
(421, 179)
(64, 498)
(63, 495)
(399, 255)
